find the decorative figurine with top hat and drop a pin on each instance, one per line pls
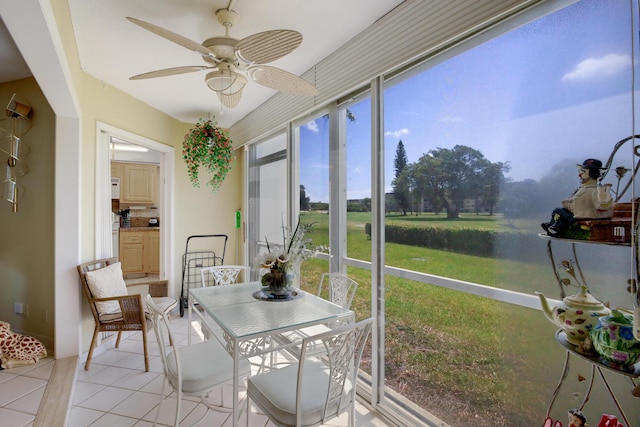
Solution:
(592, 200)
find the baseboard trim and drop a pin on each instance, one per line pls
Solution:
(56, 402)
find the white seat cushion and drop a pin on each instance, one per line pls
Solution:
(107, 282)
(275, 391)
(164, 303)
(209, 327)
(116, 316)
(204, 365)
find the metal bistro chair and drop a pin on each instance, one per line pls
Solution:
(113, 309)
(192, 369)
(222, 274)
(340, 290)
(315, 389)
(218, 275)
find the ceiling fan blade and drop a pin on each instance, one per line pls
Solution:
(265, 47)
(170, 72)
(278, 79)
(230, 101)
(174, 37)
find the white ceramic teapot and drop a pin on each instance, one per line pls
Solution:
(576, 314)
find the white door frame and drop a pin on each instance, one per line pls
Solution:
(104, 132)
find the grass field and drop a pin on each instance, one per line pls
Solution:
(467, 359)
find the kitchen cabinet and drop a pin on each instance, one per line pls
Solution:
(153, 247)
(140, 251)
(117, 169)
(139, 182)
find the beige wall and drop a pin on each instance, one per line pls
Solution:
(197, 211)
(26, 246)
(26, 249)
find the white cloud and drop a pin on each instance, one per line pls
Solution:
(312, 126)
(606, 66)
(397, 133)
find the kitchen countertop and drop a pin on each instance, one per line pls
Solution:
(122, 229)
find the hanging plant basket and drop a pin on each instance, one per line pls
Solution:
(208, 146)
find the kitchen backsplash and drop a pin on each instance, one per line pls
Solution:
(140, 217)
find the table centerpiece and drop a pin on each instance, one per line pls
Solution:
(279, 266)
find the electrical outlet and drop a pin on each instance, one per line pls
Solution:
(17, 308)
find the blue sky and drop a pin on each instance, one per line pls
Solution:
(558, 88)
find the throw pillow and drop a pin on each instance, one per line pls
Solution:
(107, 282)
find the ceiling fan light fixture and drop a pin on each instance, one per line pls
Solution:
(225, 81)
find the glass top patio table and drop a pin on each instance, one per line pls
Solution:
(242, 316)
(248, 323)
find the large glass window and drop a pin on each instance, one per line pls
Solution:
(314, 172)
(481, 143)
(357, 125)
(267, 193)
(479, 149)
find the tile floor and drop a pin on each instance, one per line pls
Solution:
(117, 392)
(21, 390)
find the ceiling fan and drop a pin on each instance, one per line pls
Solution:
(230, 61)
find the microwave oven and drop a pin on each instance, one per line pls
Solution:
(115, 188)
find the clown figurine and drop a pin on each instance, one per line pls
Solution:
(591, 200)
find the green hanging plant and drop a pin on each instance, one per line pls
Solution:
(209, 146)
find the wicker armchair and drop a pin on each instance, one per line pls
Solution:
(119, 312)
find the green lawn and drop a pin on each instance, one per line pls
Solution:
(442, 342)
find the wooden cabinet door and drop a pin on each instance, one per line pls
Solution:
(152, 248)
(139, 183)
(117, 169)
(132, 252)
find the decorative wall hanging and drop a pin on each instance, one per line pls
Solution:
(209, 146)
(12, 129)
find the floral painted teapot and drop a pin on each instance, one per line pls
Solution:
(576, 315)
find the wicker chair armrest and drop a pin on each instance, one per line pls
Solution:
(116, 298)
(131, 307)
(155, 288)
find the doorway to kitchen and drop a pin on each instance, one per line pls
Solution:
(116, 144)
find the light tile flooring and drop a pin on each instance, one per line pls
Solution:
(21, 390)
(116, 391)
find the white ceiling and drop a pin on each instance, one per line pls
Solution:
(13, 65)
(113, 49)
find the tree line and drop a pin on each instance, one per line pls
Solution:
(442, 179)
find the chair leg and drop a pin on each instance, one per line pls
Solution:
(248, 409)
(146, 355)
(93, 345)
(352, 412)
(118, 339)
(178, 407)
(155, 420)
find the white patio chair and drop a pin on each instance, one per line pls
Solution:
(193, 369)
(313, 390)
(340, 290)
(222, 274)
(219, 275)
